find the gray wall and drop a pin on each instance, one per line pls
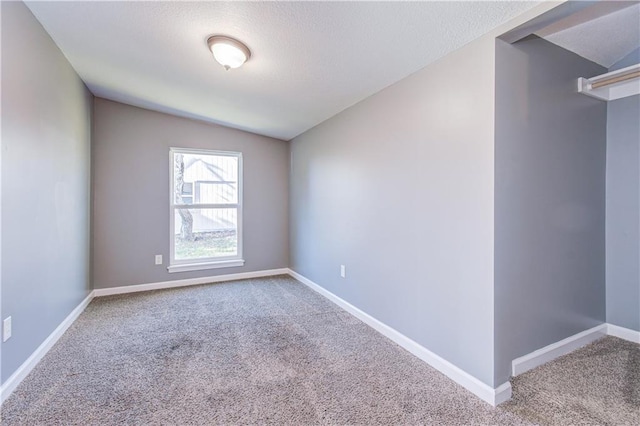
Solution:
(549, 199)
(131, 193)
(623, 207)
(632, 58)
(46, 112)
(399, 188)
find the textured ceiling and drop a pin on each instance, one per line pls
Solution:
(604, 33)
(310, 60)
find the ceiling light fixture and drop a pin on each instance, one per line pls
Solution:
(229, 52)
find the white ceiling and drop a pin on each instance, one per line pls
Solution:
(310, 60)
(604, 33)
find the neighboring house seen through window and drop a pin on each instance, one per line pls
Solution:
(206, 209)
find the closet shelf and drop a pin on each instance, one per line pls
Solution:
(612, 85)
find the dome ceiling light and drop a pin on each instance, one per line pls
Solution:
(229, 52)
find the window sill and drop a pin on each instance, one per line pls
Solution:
(208, 265)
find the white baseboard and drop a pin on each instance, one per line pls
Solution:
(23, 371)
(482, 390)
(501, 394)
(571, 343)
(555, 350)
(187, 282)
(623, 333)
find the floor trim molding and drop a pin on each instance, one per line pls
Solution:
(557, 349)
(623, 333)
(23, 371)
(99, 292)
(485, 392)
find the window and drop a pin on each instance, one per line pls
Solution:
(206, 209)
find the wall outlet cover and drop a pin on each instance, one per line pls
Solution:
(158, 259)
(343, 271)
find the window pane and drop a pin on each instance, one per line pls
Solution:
(205, 179)
(205, 233)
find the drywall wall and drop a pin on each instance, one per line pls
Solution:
(46, 127)
(399, 189)
(623, 207)
(549, 199)
(131, 193)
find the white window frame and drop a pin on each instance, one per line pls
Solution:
(211, 262)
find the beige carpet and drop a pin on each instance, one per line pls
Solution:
(598, 384)
(264, 351)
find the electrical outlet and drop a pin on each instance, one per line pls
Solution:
(158, 259)
(343, 271)
(6, 329)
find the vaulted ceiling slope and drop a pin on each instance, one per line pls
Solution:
(310, 60)
(603, 33)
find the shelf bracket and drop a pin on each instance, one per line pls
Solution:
(612, 85)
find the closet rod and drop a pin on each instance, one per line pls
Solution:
(616, 79)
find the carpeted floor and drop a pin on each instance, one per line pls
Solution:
(598, 384)
(271, 351)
